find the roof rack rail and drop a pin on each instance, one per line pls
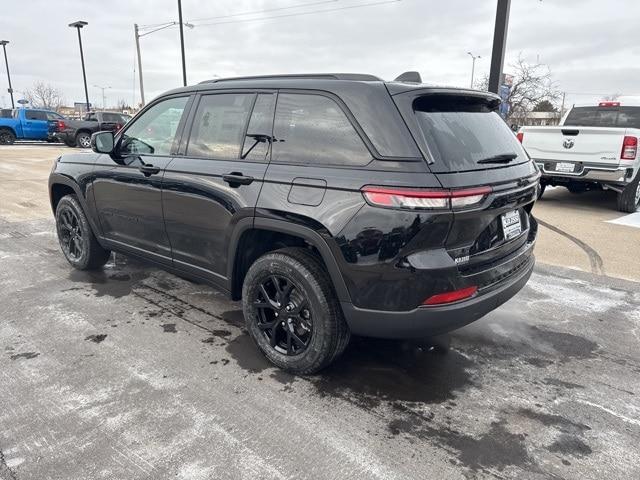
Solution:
(362, 77)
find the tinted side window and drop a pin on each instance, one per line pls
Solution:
(111, 117)
(54, 116)
(35, 115)
(219, 124)
(154, 131)
(257, 140)
(6, 113)
(313, 130)
(91, 117)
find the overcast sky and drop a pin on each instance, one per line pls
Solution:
(591, 46)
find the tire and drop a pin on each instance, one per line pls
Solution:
(629, 198)
(83, 140)
(543, 187)
(77, 241)
(70, 143)
(316, 317)
(7, 137)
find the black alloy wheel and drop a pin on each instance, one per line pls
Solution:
(292, 312)
(284, 315)
(77, 241)
(71, 239)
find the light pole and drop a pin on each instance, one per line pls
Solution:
(473, 65)
(103, 96)
(499, 44)
(78, 26)
(6, 62)
(138, 35)
(184, 65)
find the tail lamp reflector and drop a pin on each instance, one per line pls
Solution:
(450, 297)
(520, 136)
(415, 198)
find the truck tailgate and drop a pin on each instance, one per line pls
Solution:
(600, 145)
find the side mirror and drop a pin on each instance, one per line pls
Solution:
(102, 142)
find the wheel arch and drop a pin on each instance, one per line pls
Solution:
(7, 127)
(274, 234)
(60, 186)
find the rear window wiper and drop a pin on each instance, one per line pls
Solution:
(504, 158)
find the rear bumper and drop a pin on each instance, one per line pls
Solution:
(426, 321)
(64, 137)
(588, 172)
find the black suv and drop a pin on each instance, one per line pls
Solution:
(330, 204)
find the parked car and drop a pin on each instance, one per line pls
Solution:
(595, 147)
(330, 204)
(77, 133)
(27, 124)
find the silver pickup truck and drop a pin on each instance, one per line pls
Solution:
(595, 147)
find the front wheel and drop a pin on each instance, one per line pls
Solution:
(83, 140)
(629, 198)
(77, 241)
(291, 311)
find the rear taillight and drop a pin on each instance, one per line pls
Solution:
(520, 136)
(61, 125)
(629, 148)
(419, 199)
(450, 297)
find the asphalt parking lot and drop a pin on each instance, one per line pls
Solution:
(135, 373)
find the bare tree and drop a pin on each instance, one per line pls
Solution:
(532, 84)
(612, 98)
(123, 105)
(44, 95)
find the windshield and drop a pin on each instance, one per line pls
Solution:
(462, 132)
(622, 117)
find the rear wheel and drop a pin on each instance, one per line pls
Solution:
(77, 241)
(629, 198)
(7, 137)
(291, 311)
(83, 140)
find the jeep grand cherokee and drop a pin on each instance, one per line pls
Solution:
(331, 204)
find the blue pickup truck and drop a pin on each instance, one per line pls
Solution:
(28, 124)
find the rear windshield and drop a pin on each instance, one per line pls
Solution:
(461, 131)
(623, 117)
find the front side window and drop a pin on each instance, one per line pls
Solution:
(313, 130)
(219, 124)
(153, 132)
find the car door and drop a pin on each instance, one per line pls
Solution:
(216, 181)
(35, 125)
(127, 184)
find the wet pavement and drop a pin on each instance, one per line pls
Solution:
(134, 373)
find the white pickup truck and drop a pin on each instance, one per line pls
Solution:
(594, 147)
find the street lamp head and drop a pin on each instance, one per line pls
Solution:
(78, 24)
(4, 42)
(188, 25)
